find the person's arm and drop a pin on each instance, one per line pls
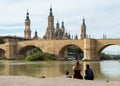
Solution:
(73, 67)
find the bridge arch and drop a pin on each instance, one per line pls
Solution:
(27, 50)
(62, 53)
(102, 48)
(2, 53)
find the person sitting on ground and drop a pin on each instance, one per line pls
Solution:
(89, 73)
(77, 71)
(67, 75)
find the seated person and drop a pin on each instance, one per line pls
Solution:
(89, 73)
(67, 75)
(77, 71)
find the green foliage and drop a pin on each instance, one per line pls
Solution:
(48, 57)
(77, 52)
(2, 40)
(35, 57)
(35, 50)
(104, 56)
(3, 58)
(38, 55)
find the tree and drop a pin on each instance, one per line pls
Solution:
(38, 55)
(2, 40)
(78, 53)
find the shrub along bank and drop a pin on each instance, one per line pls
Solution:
(38, 55)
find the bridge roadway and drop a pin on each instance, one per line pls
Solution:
(91, 47)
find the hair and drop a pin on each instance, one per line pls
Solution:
(67, 73)
(77, 63)
(87, 66)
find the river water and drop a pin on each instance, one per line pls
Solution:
(103, 70)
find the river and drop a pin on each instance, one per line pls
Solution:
(103, 70)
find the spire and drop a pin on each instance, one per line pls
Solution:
(27, 15)
(76, 37)
(63, 28)
(83, 30)
(35, 32)
(51, 11)
(57, 25)
(69, 36)
(66, 34)
(36, 36)
(83, 21)
(62, 24)
(57, 21)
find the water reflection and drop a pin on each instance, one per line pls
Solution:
(102, 70)
(111, 70)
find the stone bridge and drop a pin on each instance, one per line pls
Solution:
(91, 48)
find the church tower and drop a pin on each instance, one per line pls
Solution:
(27, 31)
(83, 30)
(50, 29)
(36, 35)
(63, 28)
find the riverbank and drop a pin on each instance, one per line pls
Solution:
(58, 81)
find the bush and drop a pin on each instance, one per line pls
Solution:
(35, 57)
(48, 57)
(3, 58)
(2, 40)
(39, 56)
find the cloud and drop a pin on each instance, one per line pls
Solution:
(100, 15)
(114, 49)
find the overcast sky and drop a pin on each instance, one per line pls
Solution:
(102, 16)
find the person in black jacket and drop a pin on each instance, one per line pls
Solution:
(88, 73)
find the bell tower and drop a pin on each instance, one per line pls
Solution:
(83, 30)
(50, 28)
(63, 28)
(27, 31)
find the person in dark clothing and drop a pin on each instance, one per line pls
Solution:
(67, 75)
(77, 71)
(88, 73)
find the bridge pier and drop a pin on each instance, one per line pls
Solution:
(90, 50)
(11, 49)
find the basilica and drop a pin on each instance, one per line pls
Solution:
(52, 33)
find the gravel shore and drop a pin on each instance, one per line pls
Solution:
(58, 81)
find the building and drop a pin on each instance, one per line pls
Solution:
(83, 30)
(55, 33)
(27, 31)
(52, 33)
(36, 35)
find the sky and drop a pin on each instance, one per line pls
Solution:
(101, 16)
